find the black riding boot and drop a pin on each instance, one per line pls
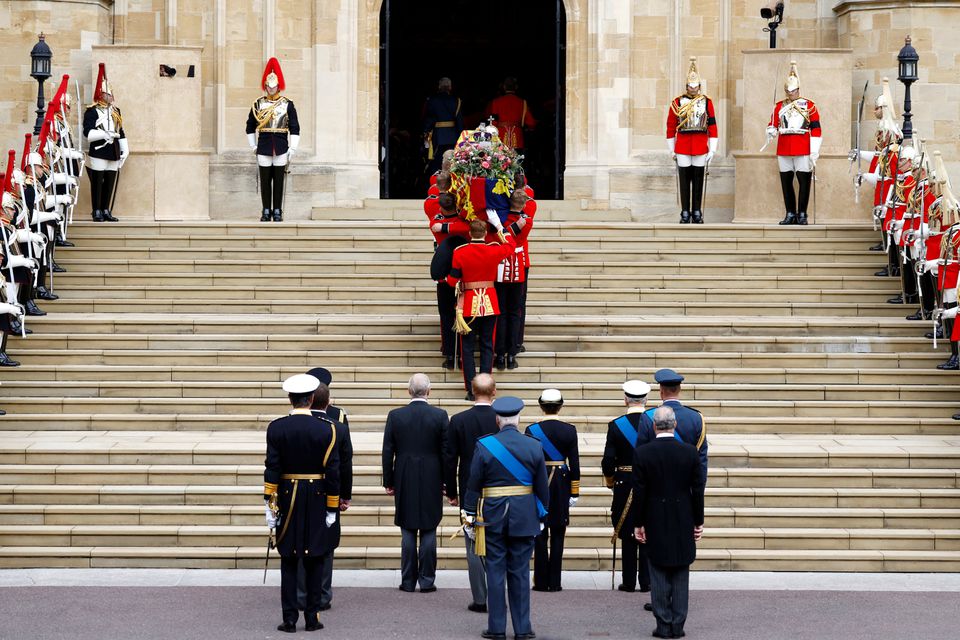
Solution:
(96, 186)
(686, 176)
(5, 360)
(106, 195)
(789, 197)
(805, 178)
(697, 200)
(279, 173)
(266, 192)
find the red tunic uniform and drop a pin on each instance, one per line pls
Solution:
(513, 267)
(452, 224)
(512, 116)
(796, 122)
(692, 122)
(948, 274)
(476, 264)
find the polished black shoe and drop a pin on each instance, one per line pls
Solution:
(539, 588)
(918, 315)
(403, 588)
(895, 272)
(6, 361)
(684, 217)
(97, 215)
(33, 310)
(929, 334)
(512, 362)
(698, 217)
(680, 634)
(500, 363)
(644, 588)
(108, 216)
(895, 300)
(624, 587)
(447, 362)
(477, 608)
(661, 634)
(44, 294)
(647, 606)
(265, 216)
(469, 396)
(492, 636)
(277, 215)
(525, 636)
(883, 273)
(287, 627)
(16, 328)
(521, 349)
(58, 269)
(60, 242)
(2, 412)
(802, 218)
(428, 589)
(789, 218)
(876, 247)
(313, 625)
(956, 416)
(953, 364)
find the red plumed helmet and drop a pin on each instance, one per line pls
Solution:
(273, 68)
(27, 139)
(62, 89)
(42, 141)
(8, 176)
(103, 85)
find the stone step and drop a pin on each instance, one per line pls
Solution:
(577, 396)
(545, 281)
(220, 406)
(628, 267)
(421, 252)
(40, 374)
(367, 491)
(667, 304)
(452, 557)
(595, 223)
(798, 357)
(582, 328)
(241, 447)
(268, 298)
(764, 483)
(716, 536)
(365, 422)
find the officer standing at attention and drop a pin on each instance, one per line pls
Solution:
(562, 454)
(617, 466)
(690, 425)
(504, 509)
(301, 487)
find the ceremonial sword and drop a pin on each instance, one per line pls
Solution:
(856, 186)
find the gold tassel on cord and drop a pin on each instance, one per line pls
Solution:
(480, 542)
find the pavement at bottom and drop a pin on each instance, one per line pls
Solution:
(240, 613)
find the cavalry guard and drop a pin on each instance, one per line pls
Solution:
(617, 467)
(108, 150)
(796, 125)
(301, 488)
(562, 454)
(692, 139)
(504, 509)
(273, 132)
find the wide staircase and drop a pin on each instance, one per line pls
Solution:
(134, 434)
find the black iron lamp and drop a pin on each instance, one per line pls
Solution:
(908, 65)
(40, 57)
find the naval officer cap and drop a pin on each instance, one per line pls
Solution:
(635, 388)
(551, 396)
(301, 383)
(667, 376)
(321, 374)
(508, 406)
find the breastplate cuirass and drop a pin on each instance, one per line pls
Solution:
(793, 117)
(692, 114)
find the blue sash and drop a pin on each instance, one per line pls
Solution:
(627, 430)
(548, 446)
(514, 466)
(676, 433)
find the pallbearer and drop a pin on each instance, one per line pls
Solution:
(562, 454)
(692, 139)
(108, 150)
(273, 132)
(796, 125)
(301, 487)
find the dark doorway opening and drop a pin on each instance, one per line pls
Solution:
(477, 45)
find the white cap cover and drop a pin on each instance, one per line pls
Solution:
(551, 395)
(301, 383)
(636, 388)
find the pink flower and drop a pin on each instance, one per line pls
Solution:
(485, 164)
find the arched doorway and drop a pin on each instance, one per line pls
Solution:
(477, 45)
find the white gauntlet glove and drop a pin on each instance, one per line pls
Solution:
(771, 132)
(573, 500)
(713, 142)
(22, 261)
(672, 145)
(252, 141)
(124, 150)
(271, 518)
(331, 518)
(11, 309)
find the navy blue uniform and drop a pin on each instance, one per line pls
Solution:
(690, 429)
(617, 466)
(562, 453)
(510, 524)
(442, 118)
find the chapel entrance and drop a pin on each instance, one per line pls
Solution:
(476, 45)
